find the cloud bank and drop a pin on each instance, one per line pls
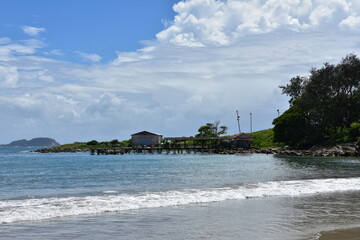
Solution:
(221, 23)
(216, 57)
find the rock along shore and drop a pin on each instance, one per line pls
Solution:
(348, 150)
(64, 150)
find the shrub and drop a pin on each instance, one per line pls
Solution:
(115, 142)
(354, 131)
(92, 143)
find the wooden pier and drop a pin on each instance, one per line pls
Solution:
(155, 150)
(184, 145)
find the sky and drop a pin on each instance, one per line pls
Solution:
(78, 70)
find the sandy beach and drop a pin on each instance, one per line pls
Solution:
(343, 234)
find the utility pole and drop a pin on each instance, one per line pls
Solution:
(278, 111)
(238, 120)
(250, 122)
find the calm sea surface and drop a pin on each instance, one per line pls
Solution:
(189, 196)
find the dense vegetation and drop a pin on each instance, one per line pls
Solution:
(212, 130)
(324, 107)
(261, 139)
(96, 145)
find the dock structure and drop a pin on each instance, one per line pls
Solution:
(182, 145)
(152, 150)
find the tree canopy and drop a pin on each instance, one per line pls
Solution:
(321, 104)
(212, 130)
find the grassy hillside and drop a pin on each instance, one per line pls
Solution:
(75, 145)
(264, 139)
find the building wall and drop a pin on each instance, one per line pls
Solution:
(146, 140)
(243, 143)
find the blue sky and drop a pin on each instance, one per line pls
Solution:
(82, 70)
(87, 25)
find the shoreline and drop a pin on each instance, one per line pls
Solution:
(348, 150)
(343, 234)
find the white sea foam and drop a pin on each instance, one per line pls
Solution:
(47, 208)
(110, 191)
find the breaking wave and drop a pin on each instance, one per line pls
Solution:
(47, 208)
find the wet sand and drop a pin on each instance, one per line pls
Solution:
(345, 234)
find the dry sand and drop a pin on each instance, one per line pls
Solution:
(345, 234)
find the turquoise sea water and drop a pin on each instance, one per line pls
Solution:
(184, 196)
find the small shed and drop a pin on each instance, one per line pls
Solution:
(242, 140)
(146, 138)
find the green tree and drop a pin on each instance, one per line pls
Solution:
(292, 128)
(212, 130)
(329, 98)
(92, 143)
(295, 88)
(115, 142)
(354, 132)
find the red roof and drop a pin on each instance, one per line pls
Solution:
(242, 136)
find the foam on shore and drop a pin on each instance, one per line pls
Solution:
(111, 201)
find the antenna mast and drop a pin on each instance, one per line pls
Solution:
(238, 120)
(250, 122)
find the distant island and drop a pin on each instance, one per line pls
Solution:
(35, 142)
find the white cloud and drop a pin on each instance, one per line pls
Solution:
(43, 75)
(176, 91)
(56, 52)
(219, 23)
(216, 57)
(33, 31)
(10, 49)
(352, 22)
(89, 57)
(7, 51)
(8, 76)
(4, 40)
(147, 49)
(127, 57)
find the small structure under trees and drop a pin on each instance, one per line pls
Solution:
(242, 140)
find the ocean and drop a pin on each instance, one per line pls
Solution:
(175, 196)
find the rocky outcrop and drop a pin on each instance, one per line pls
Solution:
(62, 150)
(347, 150)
